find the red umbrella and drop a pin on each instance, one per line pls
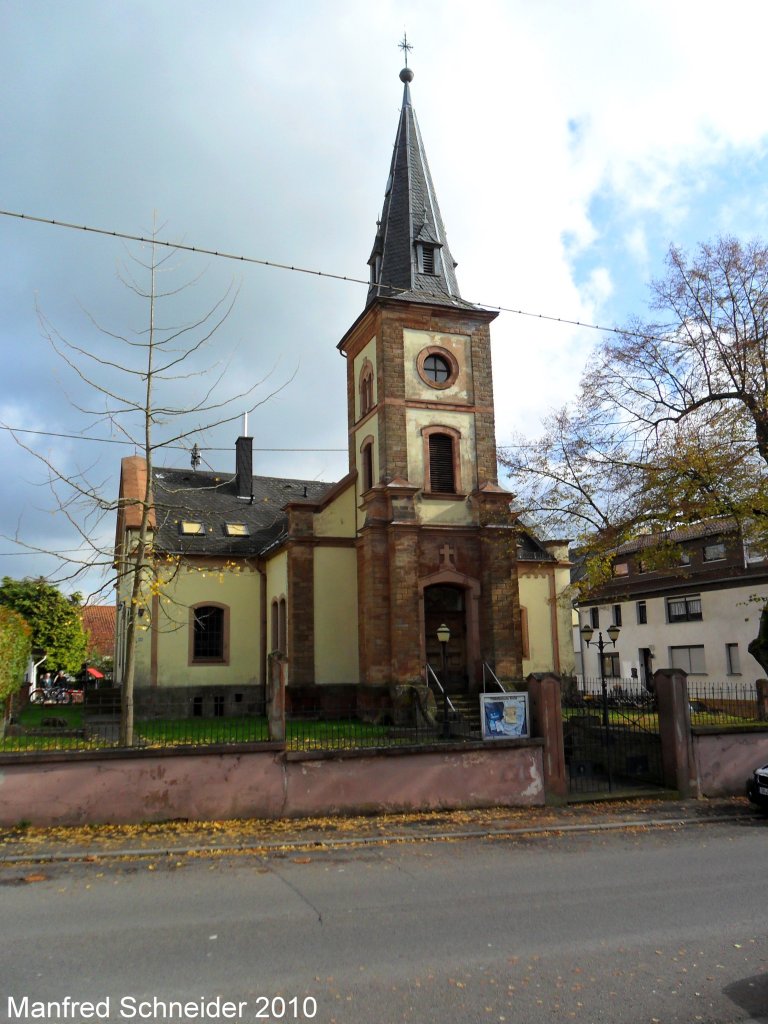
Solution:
(94, 673)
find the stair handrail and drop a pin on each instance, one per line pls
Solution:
(487, 669)
(430, 671)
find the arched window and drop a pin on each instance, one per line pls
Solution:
(441, 451)
(282, 629)
(366, 388)
(366, 465)
(209, 633)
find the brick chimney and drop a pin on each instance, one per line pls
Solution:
(244, 467)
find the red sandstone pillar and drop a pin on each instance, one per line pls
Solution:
(547, 724)
(276, 697)
(762, 699)
(677, 755)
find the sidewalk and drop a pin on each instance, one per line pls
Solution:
(261, 836)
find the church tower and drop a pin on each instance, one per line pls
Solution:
(435, 538)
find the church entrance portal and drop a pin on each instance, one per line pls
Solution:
(444, 603)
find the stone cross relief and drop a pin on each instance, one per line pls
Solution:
(448, 556)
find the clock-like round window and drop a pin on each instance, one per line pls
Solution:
(437, 367)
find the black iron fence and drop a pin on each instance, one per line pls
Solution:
(201, 720)
(728, 703)
(611, 736)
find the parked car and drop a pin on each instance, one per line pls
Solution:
(757, 787)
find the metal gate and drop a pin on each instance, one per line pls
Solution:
(611, 737)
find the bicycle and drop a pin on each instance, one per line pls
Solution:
(50, 695)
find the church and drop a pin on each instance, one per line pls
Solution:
(347, 583)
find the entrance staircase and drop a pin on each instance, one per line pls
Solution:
(465, 720)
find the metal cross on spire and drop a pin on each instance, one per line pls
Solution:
(405, 46)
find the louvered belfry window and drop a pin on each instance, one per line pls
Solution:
(441, 470)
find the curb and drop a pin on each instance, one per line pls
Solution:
(319, 844)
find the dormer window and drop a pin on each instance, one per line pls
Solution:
(428, 258)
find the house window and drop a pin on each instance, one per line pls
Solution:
(689, 659)
(714, 552)
(617, 615)
(642, 613)
(441, 452)
(209, 641)
(594, 617)
(621, 569)
(685, 558)
(684, 609)
(612, 664)
(237, 529)
(732, 659)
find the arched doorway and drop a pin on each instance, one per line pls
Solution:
(446, 603)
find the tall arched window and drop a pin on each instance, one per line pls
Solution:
(366, 388)
(442, 462)
(209, 624)
(366, 465)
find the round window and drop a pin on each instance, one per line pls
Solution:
(437, 369)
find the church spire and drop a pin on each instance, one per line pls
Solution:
(411, 259)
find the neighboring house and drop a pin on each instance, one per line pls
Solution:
(99, 624)
(698, 615)
(350, 581)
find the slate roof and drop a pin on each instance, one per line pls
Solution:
(211, 499)
(411, 213)
(695, 531)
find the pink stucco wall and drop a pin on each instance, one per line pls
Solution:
(725, 760)
(265, 784)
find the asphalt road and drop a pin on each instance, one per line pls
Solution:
(622, 927)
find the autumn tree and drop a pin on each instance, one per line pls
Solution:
(670, 425)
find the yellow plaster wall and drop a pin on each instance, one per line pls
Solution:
(337, 519)
(536, 597)
(336, 658)
(241, 592)
(458, 345)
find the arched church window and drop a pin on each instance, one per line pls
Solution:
(442, 470)
(366, 466)
(209, 633)
(366, 389)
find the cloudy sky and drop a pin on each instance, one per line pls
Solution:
(570, 144)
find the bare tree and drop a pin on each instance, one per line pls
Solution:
(136, 383)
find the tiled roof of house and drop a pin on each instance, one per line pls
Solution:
(695, 531)
(99, 624)
(229, 525)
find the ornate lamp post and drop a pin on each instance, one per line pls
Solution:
(587, 632)
(443, 636)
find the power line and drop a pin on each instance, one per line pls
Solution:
(133, 444)
(302, 270)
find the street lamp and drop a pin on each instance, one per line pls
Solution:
(587, 632)
(443, 636)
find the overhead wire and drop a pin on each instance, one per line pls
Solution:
(205, 251)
